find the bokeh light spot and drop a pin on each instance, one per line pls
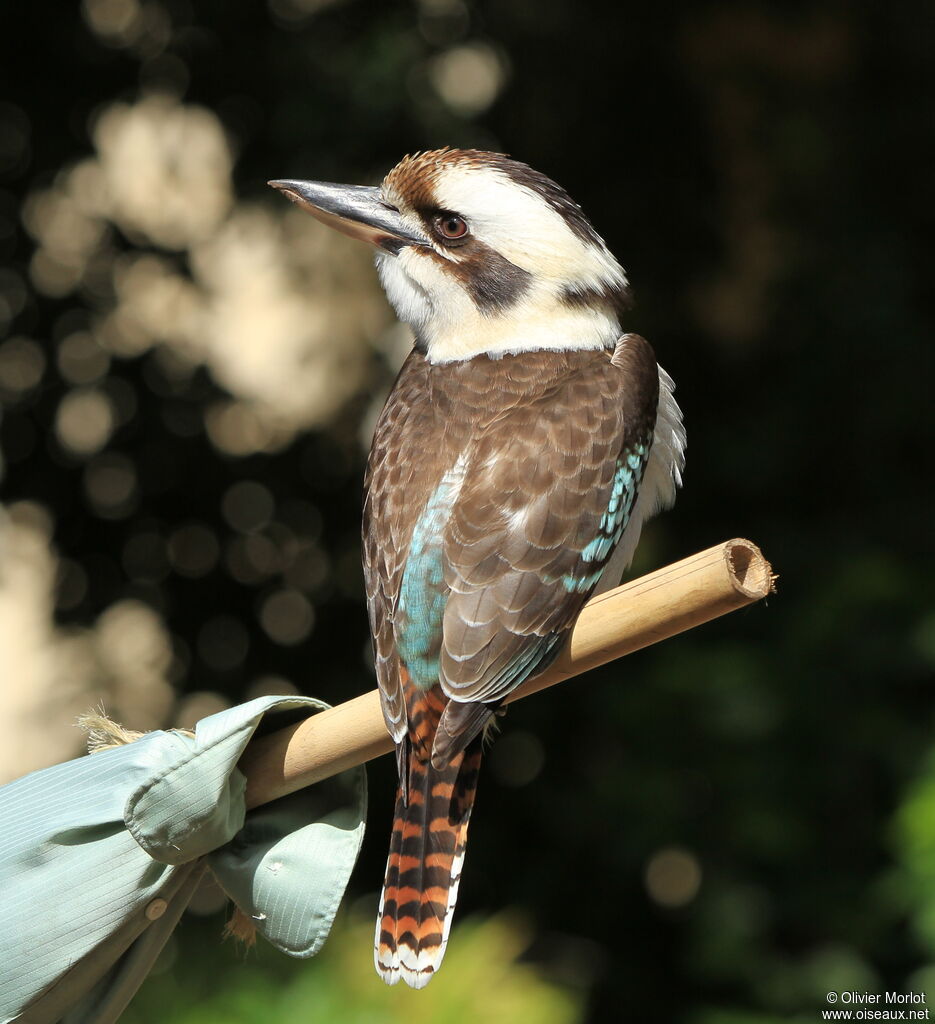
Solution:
(309, 568)
(673, 876)
(236, 428)
(84, 421)
(110, 485)
(247, 506)
(193, 550)
(251, 560)
(468, 78)
(517, 758)
(114, 21)
(71, 585)
(33, 515)
(22, 364)
(134, 649)
(81, 360)
(287, 617)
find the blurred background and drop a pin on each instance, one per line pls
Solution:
(715, 831)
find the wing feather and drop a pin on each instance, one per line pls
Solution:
(520, 550)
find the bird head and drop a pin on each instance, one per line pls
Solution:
(479, 254)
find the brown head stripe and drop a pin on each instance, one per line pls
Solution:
(414, 177)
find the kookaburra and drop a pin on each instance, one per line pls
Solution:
(525, 442)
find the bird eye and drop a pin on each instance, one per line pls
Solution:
(450, 225)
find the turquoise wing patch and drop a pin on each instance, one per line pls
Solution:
(625, 487)
(423, 592)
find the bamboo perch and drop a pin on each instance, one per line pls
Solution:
(643, 612)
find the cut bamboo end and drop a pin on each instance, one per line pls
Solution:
(749, 570)
(655, 607)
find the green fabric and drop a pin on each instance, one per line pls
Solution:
(87, 845)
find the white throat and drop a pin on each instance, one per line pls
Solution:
(448, 322)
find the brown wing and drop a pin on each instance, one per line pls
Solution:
(535, 520)
(395, 490)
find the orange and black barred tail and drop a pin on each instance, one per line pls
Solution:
(424, 868)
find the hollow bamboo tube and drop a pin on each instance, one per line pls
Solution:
(669, 601)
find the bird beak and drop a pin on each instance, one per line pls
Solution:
(355, 210)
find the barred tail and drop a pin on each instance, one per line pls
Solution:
(424, 868)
